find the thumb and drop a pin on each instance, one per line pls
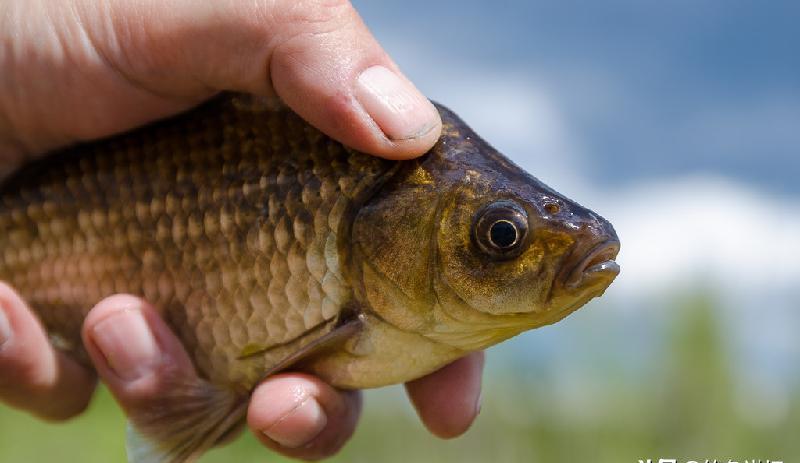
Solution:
(317, 55)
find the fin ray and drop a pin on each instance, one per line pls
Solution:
(184, 423)
(195, 415)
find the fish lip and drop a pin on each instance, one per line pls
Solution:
(598, 262)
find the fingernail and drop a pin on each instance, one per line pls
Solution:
(299, 424)
(127, 344)
(5, 328)
(398, 108)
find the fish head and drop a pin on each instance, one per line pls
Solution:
(477, 250)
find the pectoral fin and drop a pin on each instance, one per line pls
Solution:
(192, 417)
(330, 339)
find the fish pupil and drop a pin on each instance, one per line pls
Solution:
(503, 234)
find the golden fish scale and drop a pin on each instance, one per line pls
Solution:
(233, 220)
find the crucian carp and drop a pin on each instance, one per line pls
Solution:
(267, 245)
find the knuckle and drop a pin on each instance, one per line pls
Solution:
(313, 17)
(317, 11)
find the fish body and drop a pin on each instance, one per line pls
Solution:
(267, 245)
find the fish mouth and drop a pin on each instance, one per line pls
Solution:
(597, 266)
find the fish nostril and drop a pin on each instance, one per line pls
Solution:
(552, 208)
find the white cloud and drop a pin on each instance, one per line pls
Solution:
(711, 233)
(707, 229)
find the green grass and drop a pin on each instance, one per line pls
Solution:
(686, 405)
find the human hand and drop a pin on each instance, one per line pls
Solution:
(81, 69)
(120, 64)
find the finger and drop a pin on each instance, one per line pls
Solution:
(33, 375)
(135, 352)
(339, 79)
(448, 400)
(300, 416)
(317, 55)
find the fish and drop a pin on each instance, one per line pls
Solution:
(266, 246)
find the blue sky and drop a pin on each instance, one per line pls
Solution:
(649, 89)
(677, 120)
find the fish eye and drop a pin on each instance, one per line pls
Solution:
(503, 234)
(500, 229)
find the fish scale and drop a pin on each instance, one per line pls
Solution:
(185, 228)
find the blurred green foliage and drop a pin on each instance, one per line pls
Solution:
(686, 403)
